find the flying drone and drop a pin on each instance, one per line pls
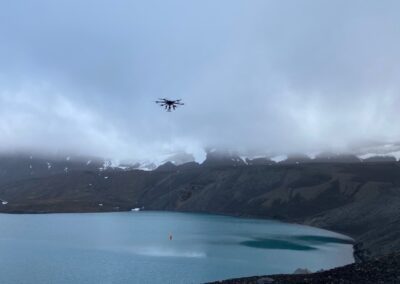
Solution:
(169, 104)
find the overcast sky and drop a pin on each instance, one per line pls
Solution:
(256, 76)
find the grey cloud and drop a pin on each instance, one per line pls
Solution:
(256, 76)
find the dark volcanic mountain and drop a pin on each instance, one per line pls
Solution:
(359, 199)
(15, 167)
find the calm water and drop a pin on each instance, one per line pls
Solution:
(134, 247)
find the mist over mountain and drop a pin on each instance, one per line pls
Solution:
(19, 165)
(256, 76)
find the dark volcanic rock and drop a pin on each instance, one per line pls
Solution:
(380, 159)
(336, 158)
(221, 159)
(189, 166)
(260, 161)
(382, 270)
(167, 167)
(296, 159)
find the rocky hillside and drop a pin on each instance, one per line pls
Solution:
(360, 199)
(15, 167)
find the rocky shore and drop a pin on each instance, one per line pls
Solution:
(385, 270)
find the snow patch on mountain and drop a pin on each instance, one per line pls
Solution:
(279, 158)
(396, 155)
(386, 150)
(312, 155)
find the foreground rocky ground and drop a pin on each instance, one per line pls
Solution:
(381, 270)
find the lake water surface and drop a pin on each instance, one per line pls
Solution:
(134, 247)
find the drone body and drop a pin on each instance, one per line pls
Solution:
(169, 104)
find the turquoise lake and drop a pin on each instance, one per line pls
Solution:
(135, 247)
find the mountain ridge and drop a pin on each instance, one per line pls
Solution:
(28, 165)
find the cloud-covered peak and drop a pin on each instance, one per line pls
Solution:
(255, 76)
